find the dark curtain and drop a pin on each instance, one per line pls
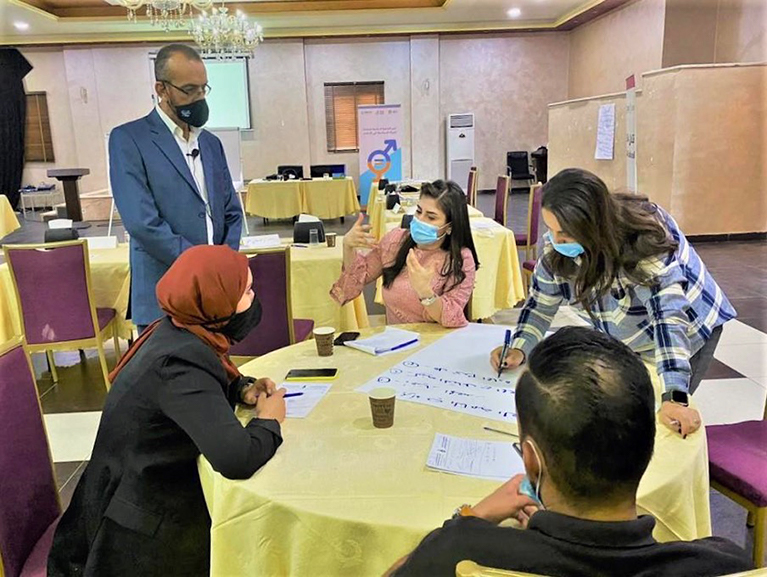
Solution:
(13, 110)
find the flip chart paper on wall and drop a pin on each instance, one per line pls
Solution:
(495, 460)
(605, 132)
(454, 373)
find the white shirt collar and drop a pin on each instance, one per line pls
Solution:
(174, 128)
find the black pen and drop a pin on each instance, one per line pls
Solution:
(506, 345)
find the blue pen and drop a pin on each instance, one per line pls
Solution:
(506, 345)
(402, 346)
(288, 395)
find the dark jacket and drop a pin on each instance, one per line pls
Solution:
(139, 508)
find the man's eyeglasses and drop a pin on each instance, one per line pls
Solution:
(191, 90)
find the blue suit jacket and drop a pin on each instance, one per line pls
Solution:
(160, 206)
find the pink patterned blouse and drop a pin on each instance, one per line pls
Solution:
(401, 300)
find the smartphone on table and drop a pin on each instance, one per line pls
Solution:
(344, 337)
(311, 374)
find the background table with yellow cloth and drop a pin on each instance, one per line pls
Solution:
(110, 284)
(344, 499)
(321, 197)
(498, 283)
(8, 220)
(313, 272)
(379, 217)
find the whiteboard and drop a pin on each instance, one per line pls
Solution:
(230, 139)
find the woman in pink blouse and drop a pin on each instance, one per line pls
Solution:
(428, 271)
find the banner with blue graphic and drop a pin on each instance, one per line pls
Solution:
(380, 140)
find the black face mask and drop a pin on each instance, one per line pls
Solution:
(240, 324)
(194, 114)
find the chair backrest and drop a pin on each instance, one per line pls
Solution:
(52, 283)
(471, 187)
(296, 170)
(468, 568)
(271, 283)
(501, 199)
(30, 501)
(534, 213)
(518, 162)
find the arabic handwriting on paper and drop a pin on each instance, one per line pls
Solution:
(483, 459)
(300, 406)
(605, 132)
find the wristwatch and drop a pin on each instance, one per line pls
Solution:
(464, 510)
(428, 301)
(677, 397)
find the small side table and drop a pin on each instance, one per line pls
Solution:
(69, 178)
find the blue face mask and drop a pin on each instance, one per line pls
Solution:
(568, 249)
(423, 232)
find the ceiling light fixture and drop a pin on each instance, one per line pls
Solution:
(514, 12)
(164, 13)
(21, 25)
(224, 35)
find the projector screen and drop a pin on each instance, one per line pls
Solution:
(229, 100)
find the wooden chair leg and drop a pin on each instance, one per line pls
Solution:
(103, 361)
(760, 529)
(52, 366)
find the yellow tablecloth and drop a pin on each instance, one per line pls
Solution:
(313, 272)
(379, 217)
(8, 220)
(344, 499)
(324, 198)
(498, 284)
(110, 283)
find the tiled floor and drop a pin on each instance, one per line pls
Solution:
(735, 387)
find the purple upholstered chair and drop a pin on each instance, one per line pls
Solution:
(471, 187)
(529, 238)
(737, 461)
(277, 329)
(29, 506)
(55, 300)
(501, 199)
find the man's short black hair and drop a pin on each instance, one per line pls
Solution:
(588, 402)
(161, 60)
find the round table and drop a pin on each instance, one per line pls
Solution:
(343, 498)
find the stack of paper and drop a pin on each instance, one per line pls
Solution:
(389, 341)
(494, 460)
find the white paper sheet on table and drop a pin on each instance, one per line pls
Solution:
(454, 373)
(494, 460)
(261, 241)
(391, 340)
(477, 224)
(300, 407)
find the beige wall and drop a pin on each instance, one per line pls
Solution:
(507, 83)
(741, 34)
(621, 43)
(573, 137)
(701, 156)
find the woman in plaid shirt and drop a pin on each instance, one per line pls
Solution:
(624, 265)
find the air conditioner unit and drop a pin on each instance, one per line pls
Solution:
(460, 147)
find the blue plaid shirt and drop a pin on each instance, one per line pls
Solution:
(666, 322)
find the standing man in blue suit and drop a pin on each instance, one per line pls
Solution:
(170, 179)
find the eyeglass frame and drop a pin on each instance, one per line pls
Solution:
(206, 88)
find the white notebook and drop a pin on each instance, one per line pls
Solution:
(391, 340)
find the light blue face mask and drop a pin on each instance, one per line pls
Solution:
(568, 249)
(423, 232)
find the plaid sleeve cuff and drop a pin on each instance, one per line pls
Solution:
(673, 380)
(524, 344)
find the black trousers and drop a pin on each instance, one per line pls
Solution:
(701, 361)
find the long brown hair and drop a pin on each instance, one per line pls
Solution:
(452, 201)
(617, 231)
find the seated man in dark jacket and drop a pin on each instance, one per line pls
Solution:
(586, 414)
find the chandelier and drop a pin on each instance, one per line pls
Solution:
(225, 36)
(164, 13)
